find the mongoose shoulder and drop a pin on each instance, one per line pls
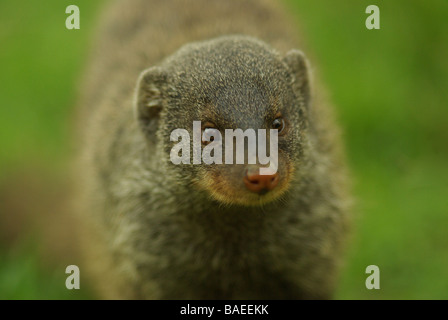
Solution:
(198, 231)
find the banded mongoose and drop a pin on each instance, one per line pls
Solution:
(196, 231)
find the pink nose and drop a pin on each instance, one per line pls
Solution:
(260, 183)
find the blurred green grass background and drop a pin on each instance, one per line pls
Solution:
(390, 90)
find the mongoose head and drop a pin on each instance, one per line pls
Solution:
(228, 83)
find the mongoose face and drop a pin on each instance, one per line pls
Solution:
(229, 83)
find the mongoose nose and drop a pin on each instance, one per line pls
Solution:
(261, 184)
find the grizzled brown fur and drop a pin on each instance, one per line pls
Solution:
(164, 231)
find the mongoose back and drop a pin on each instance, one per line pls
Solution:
(207, 231)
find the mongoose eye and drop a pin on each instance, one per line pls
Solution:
(278, 124)
(210, 133)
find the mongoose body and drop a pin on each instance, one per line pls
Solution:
(166, 231)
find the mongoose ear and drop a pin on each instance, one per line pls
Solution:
(299, 67)
(149, 97)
